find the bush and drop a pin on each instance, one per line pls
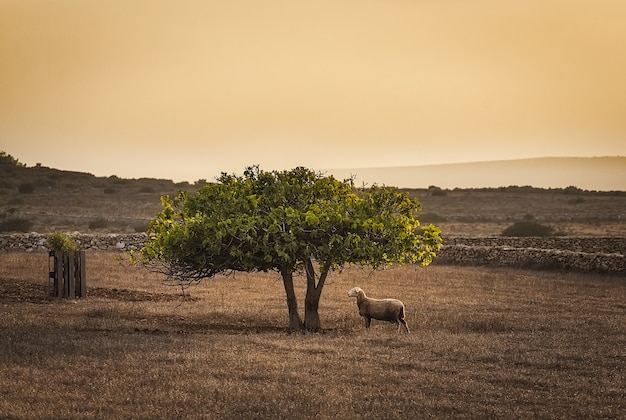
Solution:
(59, 241)
(146, 190)
(528, 228)
(16, 201)
(437, 192)
(572, 190)
(99, 223)
(26, 188)
(431, 218)
(7, 159)
(140, 228)
(16, 224)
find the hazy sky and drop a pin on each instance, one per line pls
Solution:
(186, 89)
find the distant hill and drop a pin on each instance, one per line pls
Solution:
(596, 173)
(44, 200)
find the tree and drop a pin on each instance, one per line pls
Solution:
(291, 222)
(6, 159)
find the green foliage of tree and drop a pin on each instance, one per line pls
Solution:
(290, 222)
(59, 241)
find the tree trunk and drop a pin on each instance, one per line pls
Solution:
(311, 314)
(312, 300)
(295, 322)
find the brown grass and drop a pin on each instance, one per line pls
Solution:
(484, 343)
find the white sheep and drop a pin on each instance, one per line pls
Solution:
(391, 310)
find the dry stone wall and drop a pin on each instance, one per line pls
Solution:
(104, 242)
(589, 244)
(601, 254)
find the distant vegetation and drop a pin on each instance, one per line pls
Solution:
(431, 218)
(16, 224)
(99, 223)
(26, 188)
(46, 200)
(528, 228)
(437, 192)
(6, 159)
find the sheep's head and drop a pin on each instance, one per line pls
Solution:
(355, 292)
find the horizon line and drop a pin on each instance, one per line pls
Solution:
(479, 162)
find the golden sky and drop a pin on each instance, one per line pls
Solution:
(186, 89)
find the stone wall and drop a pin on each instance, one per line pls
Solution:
(590, 244)
(602, 254)
(103, 242)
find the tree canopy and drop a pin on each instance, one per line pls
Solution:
(7, 159)
(295, 221)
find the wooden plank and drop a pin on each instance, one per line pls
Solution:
(71, 274)
(58, 276)
(51, 274)
(83, 275)
(66, 274)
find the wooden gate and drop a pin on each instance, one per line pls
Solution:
(67, 274)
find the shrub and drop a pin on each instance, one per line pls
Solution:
(146, 189)
(142, 227)
(16, 224)
(7, 159)
(432, 218)
(26, 188)
(572, 190)
(437, 192)
(528, 228)
(59, 241)
(115, 180)
(16, 201)
(99, 223)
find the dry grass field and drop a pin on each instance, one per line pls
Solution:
(484, 343)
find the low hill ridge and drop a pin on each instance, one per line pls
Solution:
(594, 173)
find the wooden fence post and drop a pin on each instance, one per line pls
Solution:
(82, 273)
(67, 273)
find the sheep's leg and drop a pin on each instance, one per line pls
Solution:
(368, 322)
(406, 327)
